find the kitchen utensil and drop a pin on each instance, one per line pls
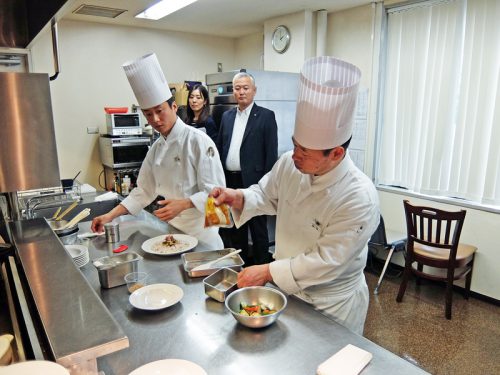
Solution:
(79, 217)
(191, 260)
(89, 235)
(78, 174)
(221, 283)
(112, 269)
(56, 213)
(67, 210)
(208, 265)
(120, 249)
(256, 295)
(112, 231)
(135, 280)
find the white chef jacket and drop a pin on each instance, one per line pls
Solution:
(323, 225)
(186, 164)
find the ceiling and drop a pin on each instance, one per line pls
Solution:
(226, 18)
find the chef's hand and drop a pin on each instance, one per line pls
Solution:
(172, 207)
(232, 197)
(99, 221)
(254, 276)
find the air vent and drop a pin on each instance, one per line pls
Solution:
(92, 10)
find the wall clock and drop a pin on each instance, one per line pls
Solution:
(281, 39)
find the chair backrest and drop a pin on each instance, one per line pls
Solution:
(379, 237)
(434, 227)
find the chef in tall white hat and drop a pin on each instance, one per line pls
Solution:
(182, 166)
(326, 208)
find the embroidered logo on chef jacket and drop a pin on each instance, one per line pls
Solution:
(210, 152)
(316, 224)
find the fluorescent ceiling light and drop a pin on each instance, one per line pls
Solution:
(164, 8)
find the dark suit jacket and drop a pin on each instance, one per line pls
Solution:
(259, 148)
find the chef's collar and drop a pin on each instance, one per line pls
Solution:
(246, 111)
(174, 132)
(331, 177)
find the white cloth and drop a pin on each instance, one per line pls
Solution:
(184, 165)
(349, 360)
(322, 229)
(106, 196)
(240, 124)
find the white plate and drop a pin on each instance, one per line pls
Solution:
(170, 367)
(186, 243)
(156, 296)
(76, 251)
(34, 367)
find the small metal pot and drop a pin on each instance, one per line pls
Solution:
(67, 236)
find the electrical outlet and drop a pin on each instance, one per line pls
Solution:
(92, 130)
(219, 67)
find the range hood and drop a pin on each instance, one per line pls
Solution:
(22, 20)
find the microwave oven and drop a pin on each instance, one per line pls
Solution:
(123, 124)
(123, 152)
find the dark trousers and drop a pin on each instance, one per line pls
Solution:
(237, 238)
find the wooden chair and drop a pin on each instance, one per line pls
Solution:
(433, 241)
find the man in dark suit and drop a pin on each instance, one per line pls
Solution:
(248, 145)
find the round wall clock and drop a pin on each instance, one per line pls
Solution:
(281, 39)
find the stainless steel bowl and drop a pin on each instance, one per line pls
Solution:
(254, 295)
(68, 236)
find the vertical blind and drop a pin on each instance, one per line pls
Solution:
(440, 123)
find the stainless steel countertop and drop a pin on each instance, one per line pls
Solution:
(199, 329)
(77, 324)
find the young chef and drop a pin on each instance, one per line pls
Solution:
(183, 165)
(326, 208)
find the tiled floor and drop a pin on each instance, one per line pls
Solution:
(417, 330)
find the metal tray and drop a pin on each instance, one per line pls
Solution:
(112, 269)
(192, 260)
(220, 284)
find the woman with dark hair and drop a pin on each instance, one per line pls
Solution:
(198, 111)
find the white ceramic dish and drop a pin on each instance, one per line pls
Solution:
(79, 253)
(34, 367)
(170, 367)
(186, 243)
(156, 296)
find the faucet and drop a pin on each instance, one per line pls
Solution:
(33, 202)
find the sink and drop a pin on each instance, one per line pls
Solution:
(96, 209)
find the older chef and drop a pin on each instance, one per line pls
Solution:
(326, 208)
(183, 165)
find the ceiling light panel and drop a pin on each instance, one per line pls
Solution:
(164, 8)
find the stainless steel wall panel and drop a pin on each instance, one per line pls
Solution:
(28, 154)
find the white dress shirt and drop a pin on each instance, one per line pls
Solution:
(240, 124)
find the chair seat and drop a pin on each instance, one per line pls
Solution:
(464, 251)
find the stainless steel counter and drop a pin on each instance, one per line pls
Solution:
(75, 322)
(199, 329)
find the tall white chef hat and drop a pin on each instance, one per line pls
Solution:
(148, 81)
(326, 103)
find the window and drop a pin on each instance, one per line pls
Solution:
(439, 127)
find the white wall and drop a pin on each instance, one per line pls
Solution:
(91, 78)
(249, 52)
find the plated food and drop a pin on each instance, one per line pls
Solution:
(170, 244)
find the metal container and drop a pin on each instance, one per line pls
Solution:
(221, 283)
(192, 260)
(112, 232)
(256, 295)
(67, 236)
(112, 269)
